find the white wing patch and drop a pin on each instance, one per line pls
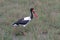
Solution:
(27, 18)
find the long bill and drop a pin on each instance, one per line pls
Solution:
(35, 14)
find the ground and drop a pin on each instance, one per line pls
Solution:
(45, 27)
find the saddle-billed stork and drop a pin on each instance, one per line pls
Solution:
(25, 20)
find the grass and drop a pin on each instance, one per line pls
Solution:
(46, 27)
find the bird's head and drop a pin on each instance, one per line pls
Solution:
(33, 11)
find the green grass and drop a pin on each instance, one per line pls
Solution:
(48, 19)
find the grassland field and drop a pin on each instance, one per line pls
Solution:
(46, 27)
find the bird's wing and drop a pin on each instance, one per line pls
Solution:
(22, 21)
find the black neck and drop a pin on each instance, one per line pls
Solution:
(31, 15)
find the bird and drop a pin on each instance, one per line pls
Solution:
(24, 21)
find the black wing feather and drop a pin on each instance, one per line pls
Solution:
(21, 21)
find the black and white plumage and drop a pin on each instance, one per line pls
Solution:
(22, 21)
(25, 20)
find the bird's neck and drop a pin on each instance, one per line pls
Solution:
(31, 15)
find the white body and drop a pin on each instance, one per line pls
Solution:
(27, 18)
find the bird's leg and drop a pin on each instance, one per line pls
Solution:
(24, 33)
(14, 30)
